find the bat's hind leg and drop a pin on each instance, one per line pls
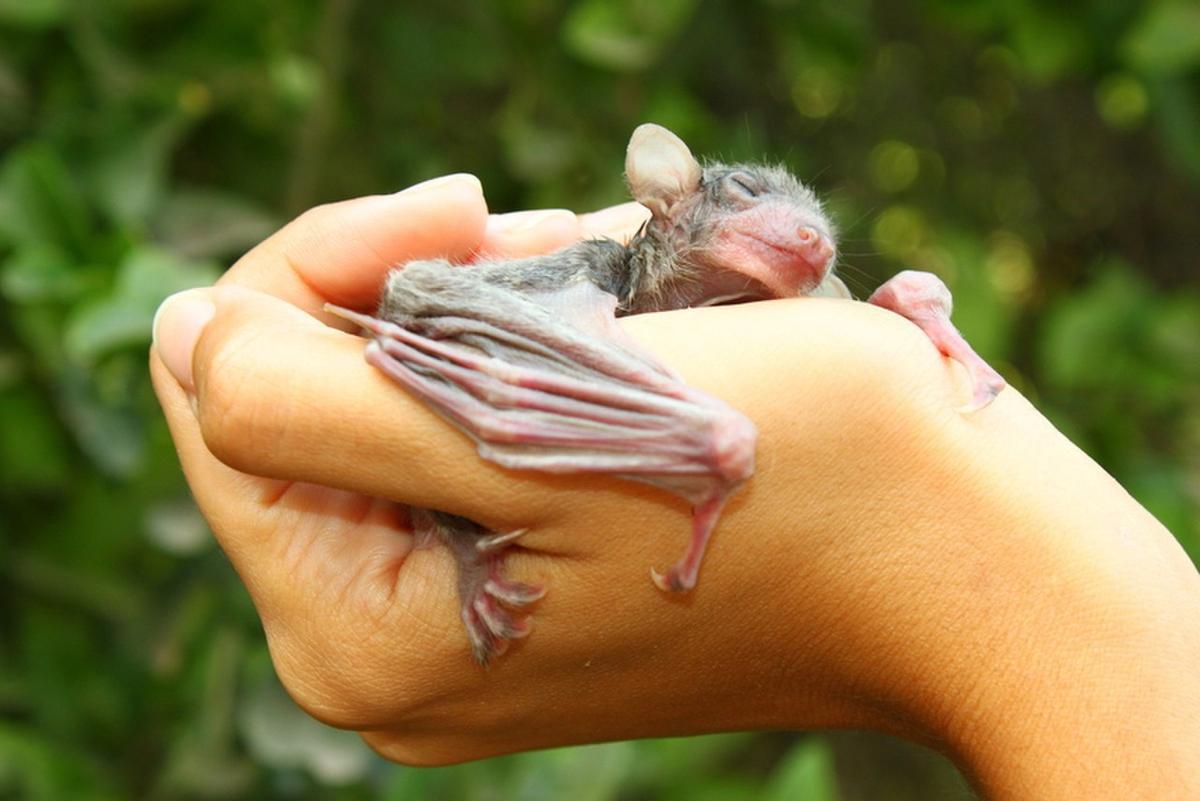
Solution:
(925, 300)
(489, 603)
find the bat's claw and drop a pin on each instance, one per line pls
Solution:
(499, 622)
(671, 581)
(514, 593)
(492, 615)
(488, 612)
(987, 387)
(497, 542)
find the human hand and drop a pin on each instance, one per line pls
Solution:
(893, 565)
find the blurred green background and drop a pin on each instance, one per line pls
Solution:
(1043, 158)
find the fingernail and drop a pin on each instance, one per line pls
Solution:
(519, 222)
(177, 327)
(442, 182)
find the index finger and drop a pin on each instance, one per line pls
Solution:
(340, 252)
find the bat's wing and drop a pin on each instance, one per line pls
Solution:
(547, 381)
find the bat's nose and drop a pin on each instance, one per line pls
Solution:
(818, 250)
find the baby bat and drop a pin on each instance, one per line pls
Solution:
(526, 358)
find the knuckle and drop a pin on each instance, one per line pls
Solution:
(326, 683)
(240, 414)
(312, 227)
(349, 675)
(315, 218)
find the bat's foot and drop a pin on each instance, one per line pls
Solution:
(925, 300)
(490, 604)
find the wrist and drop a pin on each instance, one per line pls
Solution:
(1058, 654)
(1096, 698)
(973, 582)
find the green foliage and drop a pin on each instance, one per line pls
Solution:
(807, 774)
(1044, 160)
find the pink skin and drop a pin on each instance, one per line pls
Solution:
(781, 251)
(683, 574)
(775, 246)
(654, 428)
(925, 300)
(628, 419)
(600, 407)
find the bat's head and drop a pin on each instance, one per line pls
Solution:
(739, 231)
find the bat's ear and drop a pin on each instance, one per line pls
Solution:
(660, 168)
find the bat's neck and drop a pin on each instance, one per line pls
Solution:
(652, 274)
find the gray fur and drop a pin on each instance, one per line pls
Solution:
(564, 389)
(657, 271)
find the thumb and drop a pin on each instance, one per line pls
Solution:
(252, 383)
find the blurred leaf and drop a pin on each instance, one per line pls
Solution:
(1158, 485)
(899, 231)
(144, 279)
(624, 35)
(177, 527)
(33, 451)
(1048, 42)
(703, 786)
(1135, 358)
(204, 223)
(82, 588)
(111, 433)
(586, 773)
(894, 165)
(11, 369)
(32, 13)
(674, 759)
(1166, 39)
(42, 205)
(1122, 101)
(1087, 338)
(36, 768)
(130, 176)
(806, 774)
(14, 97)
(531, 151)
(42, 272)
(297, 79)
(1176, 332)
(282, 735)
(1178, 115)
(203, 761)
(679, 110)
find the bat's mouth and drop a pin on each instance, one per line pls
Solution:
(776, 266)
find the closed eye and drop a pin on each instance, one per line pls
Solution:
(743, 184)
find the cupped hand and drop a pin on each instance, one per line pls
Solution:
(892, 564)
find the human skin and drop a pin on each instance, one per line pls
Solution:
(971, 582)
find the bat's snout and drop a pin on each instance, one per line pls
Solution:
(817, 249)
